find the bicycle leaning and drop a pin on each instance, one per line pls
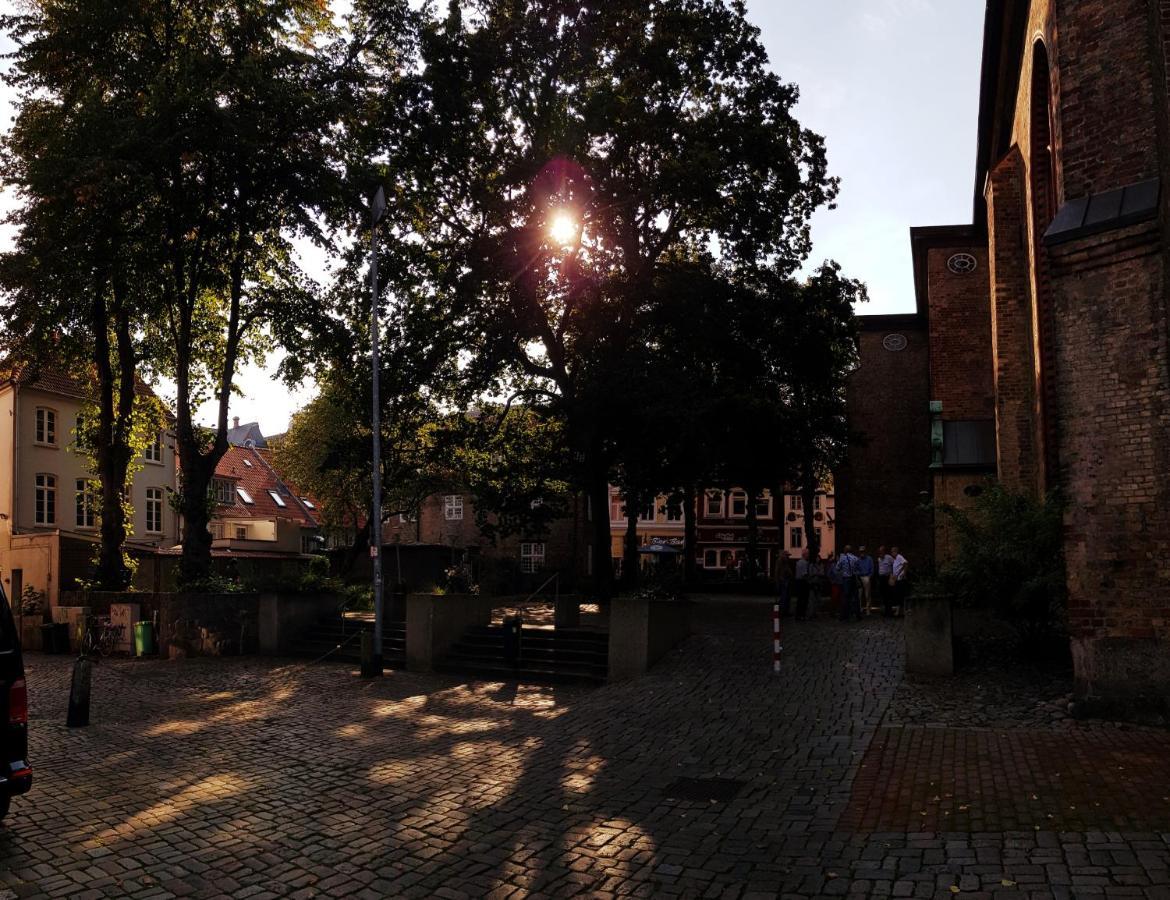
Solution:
(101, 637)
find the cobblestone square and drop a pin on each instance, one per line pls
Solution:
(259, 778)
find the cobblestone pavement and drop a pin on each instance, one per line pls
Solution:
(252, 779)
(996, 687)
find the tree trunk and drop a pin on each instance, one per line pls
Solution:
(808, 492)
(753, 535)
(195, 507)
(690, 535)
(112, 449)
(630, 546)
(602, 539)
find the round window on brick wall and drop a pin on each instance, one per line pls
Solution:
(894, 342)
(962, 263)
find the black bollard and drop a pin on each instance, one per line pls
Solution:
(512, 632)
(370, 666)
(78, 715)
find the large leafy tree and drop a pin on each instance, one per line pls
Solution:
(557, 154)
(84, 272)
(802, 336)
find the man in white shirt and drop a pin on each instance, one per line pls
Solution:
(900, 570)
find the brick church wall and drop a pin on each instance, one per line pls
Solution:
(1011, 327)
(882, 485)
(960, 335)
(1110, 394)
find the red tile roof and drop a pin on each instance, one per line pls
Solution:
(55, 379)
(251, 470)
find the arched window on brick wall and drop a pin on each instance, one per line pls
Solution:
(1043, 192)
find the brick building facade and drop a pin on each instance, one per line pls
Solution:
(885, 480)
(1049, 333)
(510, 564)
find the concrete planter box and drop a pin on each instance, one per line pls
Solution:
(930, 636)
(642, 631)
(436, 622)
(31, 637)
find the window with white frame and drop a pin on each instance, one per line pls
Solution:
(245, 496)
(714, 504)
(45, 511)
(223, 491)
(817, 531)
(674, 512)
(453, 507)
(241, 532)
(617, 510)
(531, 558)
(648, 512)
(764, 507)
(277, 499)
(46, 426)
(86, 503)
(816, 501)
(738, 504)
(797, 502)
(154, 510)
(153, 451)
(796, 537)
(406, 518)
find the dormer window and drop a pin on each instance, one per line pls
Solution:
(46, 426)
(221, 489)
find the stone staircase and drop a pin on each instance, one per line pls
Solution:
(547, 655)
(330, 632)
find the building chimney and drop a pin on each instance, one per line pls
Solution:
(235, 421)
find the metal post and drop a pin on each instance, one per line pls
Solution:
(776, 648)
(377, 208)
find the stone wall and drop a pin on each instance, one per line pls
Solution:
(1088, 405)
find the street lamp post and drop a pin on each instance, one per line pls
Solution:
(377, 210)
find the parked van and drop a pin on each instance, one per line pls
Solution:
(15, 773)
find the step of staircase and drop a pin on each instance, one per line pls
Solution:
(340, 641)
(546, 656)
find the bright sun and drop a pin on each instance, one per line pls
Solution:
(563, 229)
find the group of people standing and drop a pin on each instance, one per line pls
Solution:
(853, 582)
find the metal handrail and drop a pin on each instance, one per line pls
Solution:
(556, 576)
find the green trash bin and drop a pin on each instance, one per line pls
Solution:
(143, 638)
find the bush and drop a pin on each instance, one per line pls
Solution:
(357, 597)
(1011, 559)
(212, 584)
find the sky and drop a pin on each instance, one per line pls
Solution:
(892, 85)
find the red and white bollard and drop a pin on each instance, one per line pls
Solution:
(776, 648)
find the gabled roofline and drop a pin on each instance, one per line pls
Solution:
(933, 237)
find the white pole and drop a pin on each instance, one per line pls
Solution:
(776, 648)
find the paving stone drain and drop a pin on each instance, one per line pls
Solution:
(704, 790)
